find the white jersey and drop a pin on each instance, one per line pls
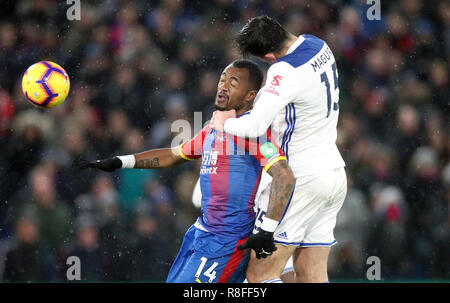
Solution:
(300, 100)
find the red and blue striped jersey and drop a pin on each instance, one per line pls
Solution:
(229, 178)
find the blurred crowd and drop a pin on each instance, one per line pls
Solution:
(137, 66)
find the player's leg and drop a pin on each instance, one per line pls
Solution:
(311, 264)
(311, 258)
(269, 268)
(261, 203)
(289, 233)
(288, 276)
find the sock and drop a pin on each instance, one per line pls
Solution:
(276, 280)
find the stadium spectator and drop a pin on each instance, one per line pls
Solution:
(28, 260)
(87, 247)
(150, 257)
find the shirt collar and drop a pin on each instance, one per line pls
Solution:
(297, 42)
(247, 112)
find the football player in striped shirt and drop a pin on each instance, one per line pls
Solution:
(229, 178)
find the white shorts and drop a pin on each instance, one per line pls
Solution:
(310, 216)
(289, 266)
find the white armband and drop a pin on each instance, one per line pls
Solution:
(128, 161)
(269, 224)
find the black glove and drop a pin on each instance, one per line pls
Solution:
(108, 165)
(261, 242)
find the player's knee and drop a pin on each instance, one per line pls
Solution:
(252, 275)
(288, 277)
(257, 274)
(311, 274)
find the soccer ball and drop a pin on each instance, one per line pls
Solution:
(45, 84)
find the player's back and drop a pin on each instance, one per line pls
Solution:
(305, 129)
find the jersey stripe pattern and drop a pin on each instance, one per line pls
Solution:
(229, 178)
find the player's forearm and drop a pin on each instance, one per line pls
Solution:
(255, 123)
(283, 181)
(157, 158)
(248, 128)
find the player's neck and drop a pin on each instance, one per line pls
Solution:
(243, 110)
(287, 44)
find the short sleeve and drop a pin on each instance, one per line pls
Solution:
(192, 149)
(266, 152)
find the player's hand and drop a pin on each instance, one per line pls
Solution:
(219, 117)
(261, 242)
(108, 165)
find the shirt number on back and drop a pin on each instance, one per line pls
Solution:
(324, 78)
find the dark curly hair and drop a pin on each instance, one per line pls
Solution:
(261, 35)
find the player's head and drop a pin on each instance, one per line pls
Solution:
(238, 85)
(261, 36)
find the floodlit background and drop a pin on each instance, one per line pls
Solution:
(137, 66)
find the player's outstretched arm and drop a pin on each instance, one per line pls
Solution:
(158, 158)
(155, 158)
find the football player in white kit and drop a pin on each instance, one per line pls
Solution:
(300, 103)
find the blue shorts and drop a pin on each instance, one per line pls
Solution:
(208, 258)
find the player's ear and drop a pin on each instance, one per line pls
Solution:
(270, 57)
(251, 95)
